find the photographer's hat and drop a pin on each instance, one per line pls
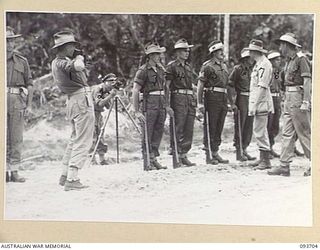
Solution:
(10, 33)
(182, 44)
(215, 45)
(63, 37)
(256, 45)
(288, 38)
(153, 48)
(110, 77)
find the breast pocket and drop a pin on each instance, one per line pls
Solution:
(18, 72)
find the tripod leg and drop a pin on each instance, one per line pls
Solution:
(101, 133)
(131, 118)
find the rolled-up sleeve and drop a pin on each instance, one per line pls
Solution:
(304, 67)
(140, 77)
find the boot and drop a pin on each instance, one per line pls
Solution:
(307, 172)
(240, 157)
(157, 165)
(249, 157)
(298, 153)
(7, 176)
(185, 161)
(211, 161)
(280, 170)
(257, 162)
(62, 180)
(216, 156)
(103, 161)
(274, 154)
(265, 161)
(74, 185)
(16, 178)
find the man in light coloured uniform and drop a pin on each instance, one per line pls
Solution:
(276, 82)
(260, 101)
(70, 76)
(296, 118)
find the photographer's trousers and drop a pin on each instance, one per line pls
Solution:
(81, 114)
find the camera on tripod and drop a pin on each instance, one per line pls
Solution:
(116, 83)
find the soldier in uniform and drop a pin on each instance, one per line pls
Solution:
(102, 95)
(150, 81)
(179, 79)
(296, 117)
(213, 80)
(239, 80)
(70, 76)
(260, 101)
(274, 118)
(19, 102)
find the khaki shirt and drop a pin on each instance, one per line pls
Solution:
(214, 73)
(240, 78)
(149, 79)
(261, 76)
(66, 77)
(181, 76)
(296, 68)
(276, 82)
(18, 71)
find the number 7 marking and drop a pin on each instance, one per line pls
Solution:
(262, 69)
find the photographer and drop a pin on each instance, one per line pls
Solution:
(102, 95)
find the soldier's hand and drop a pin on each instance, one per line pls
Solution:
(305, 106)
(170, 111)
(234, 108)
(113, 92)
(27, 112)
(138, 115)
(201, 109)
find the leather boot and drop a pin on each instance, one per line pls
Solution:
(257, 162)
(307, 172)
(16, 178)
(62, 180)
(185, 161)
(216, 156)
(240, 157)
(265, 162)
(7, 176)
(280, 170)
(211, 161)
(103, 160)
(249, 157)
(157, 165)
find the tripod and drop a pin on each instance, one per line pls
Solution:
(115, 103)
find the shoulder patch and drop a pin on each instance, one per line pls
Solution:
(301, 54)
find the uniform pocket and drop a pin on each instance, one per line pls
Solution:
(19, 102)
(262, 107)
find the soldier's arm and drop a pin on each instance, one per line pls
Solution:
(200, 86)
(29, 83)
(135, 96)
(231, 87)
(167, 92)
(306, 74)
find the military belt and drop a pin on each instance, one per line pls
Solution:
(293, 88)
(156, 92)
(245, 93)
(13, 90)
(275, 94)
(217, 89)
(183, 91)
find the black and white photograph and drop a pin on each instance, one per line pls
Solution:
(159, 118)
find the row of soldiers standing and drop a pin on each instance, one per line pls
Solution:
(257, 101)
(170, 90)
